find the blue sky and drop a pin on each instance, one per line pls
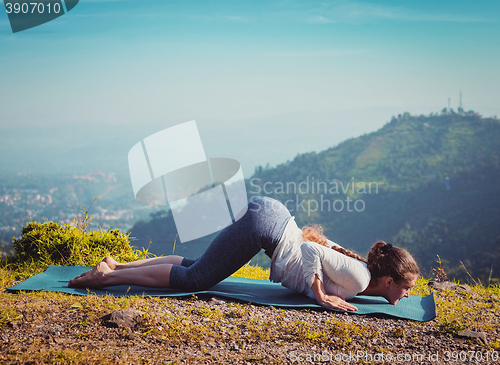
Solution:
(151, 62)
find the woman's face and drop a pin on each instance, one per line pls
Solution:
(398, 291)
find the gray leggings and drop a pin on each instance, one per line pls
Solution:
(261, 227)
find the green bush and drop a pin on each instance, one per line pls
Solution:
(44, 244)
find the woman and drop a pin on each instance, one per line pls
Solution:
(302, 260)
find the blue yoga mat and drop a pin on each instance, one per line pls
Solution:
(262, 292)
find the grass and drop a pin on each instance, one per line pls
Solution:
(458, 310)
(252, 272)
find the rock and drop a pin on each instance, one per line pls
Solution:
(448, 285)
(123, 318)
(473, 334)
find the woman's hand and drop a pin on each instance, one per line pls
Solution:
(335, 302)
(329, 300)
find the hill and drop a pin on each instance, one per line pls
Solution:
(427, 183)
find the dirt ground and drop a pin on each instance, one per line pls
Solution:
(57, 328)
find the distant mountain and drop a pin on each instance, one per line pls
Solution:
(427, 183)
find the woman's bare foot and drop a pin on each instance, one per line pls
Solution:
(111, 262)
(108, 260)
(94, 278)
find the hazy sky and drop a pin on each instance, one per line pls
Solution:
(128, 62)
(265, 80)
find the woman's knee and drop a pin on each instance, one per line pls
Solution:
(182, 278)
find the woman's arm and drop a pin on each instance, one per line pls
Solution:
(328, 300)
(340, 275)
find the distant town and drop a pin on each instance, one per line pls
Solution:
(62, 199)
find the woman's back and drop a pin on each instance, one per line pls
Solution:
(295, 265)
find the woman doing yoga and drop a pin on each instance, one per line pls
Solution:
(302, 260)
